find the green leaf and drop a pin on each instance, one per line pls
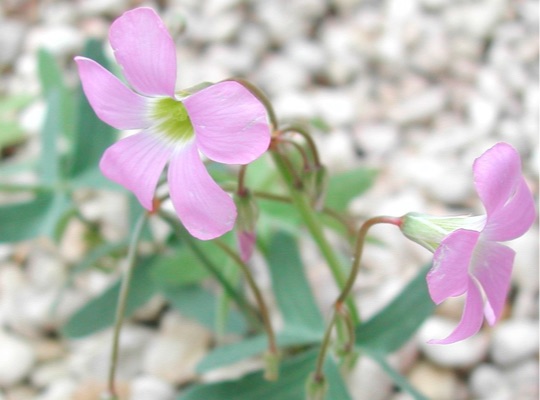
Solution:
(293, 374)
(51, 78)
(49, 165)
(199, 304)
(26, 220)
(255, 345)
(344, 187)
(99, 313)
(92, 136)
(179, 268)
(291, 288)
(391, 328)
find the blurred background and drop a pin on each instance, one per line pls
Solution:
(416, 89)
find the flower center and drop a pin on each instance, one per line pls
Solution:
(172, 120)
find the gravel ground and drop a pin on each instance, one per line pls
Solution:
(415, 88)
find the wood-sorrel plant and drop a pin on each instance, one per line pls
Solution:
(232, 122)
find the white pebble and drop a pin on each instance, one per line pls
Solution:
(149, 387)
(514, 341)
(489, 383)
(174, 353)
(16, 361)
(420, 107)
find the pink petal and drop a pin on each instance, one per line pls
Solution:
(145, 50)
(136, 163)
(246, 243)
(502, 189)
(497, 173)
(514, 218)
(111, 100)
(471, 320)
(203, 207)
(449, 274)
(492, 267)
(230, 123)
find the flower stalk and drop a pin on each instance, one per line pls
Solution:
(341, 301)
(272, 356)
(122, 302)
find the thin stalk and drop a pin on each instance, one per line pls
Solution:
(315, 228)
(239, 299)
(347, 287)
(272, 344)
(241, 189)
(309, 140)
(122, 301)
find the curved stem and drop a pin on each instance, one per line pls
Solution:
(122, 301)
(309, 140)
(359, 248)
(344, 295)
(272, 344)
(300, 150)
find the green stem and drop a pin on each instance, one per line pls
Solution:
(347, 287)
(122, 301)
(309, 140)
(239, 299)
(272, 344)
(315, 228)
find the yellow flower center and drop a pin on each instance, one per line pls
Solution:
(172, 120)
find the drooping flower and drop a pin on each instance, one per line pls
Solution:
(468, 258)
(224, 121)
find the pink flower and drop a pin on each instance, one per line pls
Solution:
(468, 258)
(224, 121)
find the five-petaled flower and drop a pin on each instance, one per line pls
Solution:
(224, 121)
(468, 258)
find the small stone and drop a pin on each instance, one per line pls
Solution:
(419, 108)
(102, 7)
(173, 355)
(16, 361)
(524, 379)
(514, 341)
(60, 389)
(11, 38)
(292, 105)
(435, 383)
(367, 381)
(46, 374)
(149, 387)
(61, 40)
(489, 383)
(483, 114)
(377, 139)
(463, 354)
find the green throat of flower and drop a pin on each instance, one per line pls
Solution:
(172, 120)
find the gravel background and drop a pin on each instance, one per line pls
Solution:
(415, 88)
